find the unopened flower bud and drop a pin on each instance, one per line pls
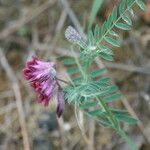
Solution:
(72, 35)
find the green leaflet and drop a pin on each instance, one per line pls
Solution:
(91, 39)
(118, 111)
(141, 4)
(122, 6)
(121, 115)
(88, 104)
(112, 41)
(123, 26)
(97, 32)
(113, 33)
(131, 12)
(114, 14)
(73, 70)
(105, 122)
(97, 112)
(129, 2)
(106, 56)
(69, 61)
(102, 120)
(97, 72)
(113, 97)
(104, 80)
(105, 50)
(92, 89)
(77, 80)
(126, 118)
(127, 20)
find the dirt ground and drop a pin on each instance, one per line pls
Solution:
(36, 27)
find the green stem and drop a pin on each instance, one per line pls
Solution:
(116, 126)
(125, 137)
(86, 69)
(111, 118)
(63, 81)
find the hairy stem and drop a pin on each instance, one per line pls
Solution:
(116, 126)
(63, 81)
(111, 118)
(130, 143)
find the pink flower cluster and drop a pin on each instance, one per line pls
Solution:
(41, 76)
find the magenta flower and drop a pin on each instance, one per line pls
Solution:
(42, 77)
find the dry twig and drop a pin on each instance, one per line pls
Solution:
(31, 15)
(16, 89)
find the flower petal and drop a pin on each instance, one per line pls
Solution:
(61, 103)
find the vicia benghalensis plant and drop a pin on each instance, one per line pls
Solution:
(88, 90)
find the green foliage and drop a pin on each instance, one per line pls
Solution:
(95, 44)
(89, 89)
(91, 93)
(86, 92)
(140, 4)
(95, 8)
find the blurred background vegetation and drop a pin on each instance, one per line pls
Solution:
(36, 27)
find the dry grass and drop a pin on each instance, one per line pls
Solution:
(36, 27)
